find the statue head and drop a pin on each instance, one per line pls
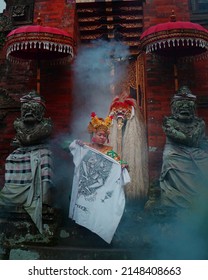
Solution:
(32, 107)
(183, 105)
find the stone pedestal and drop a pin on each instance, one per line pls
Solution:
(18, 230)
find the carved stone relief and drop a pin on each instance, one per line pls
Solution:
(21, 11)
(7, 104)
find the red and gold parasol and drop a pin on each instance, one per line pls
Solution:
(37, 42)
(175, 39)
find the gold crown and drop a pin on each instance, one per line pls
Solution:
(99, 123)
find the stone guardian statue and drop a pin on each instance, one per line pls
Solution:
(28, 169)
(184, 175)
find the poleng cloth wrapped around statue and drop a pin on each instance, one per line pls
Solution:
(19, 164)
(97, 199)
(27, 170)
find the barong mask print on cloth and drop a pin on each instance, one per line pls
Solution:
(94, 172)
(97, 198)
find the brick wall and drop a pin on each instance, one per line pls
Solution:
(56, 81)
(158, 11)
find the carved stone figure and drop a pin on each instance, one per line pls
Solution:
(28, 169)
(32, 128)
(184, 173)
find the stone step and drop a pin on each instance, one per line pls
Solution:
(67, 253)
(63, 239)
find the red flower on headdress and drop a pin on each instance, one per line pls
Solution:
(93, 114)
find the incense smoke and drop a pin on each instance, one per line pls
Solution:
(97, 70)
(166, 233)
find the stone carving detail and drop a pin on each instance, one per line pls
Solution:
(118, 21)
(89, 19)
(20, 11)
(5, 23)
(7, 104)
(32, 128)
(129, 81)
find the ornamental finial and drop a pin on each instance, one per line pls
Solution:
(39, 20)
(172, 16)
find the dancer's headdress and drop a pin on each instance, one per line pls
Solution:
(99, 123)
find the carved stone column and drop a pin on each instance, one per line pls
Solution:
(20, 11)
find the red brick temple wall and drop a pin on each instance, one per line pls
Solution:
(57, 81)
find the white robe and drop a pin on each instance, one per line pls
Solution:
(97, 199)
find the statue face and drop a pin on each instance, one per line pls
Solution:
(32, 112)
(183, 110)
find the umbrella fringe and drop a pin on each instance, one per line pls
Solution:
(48, 46)
(176, 42)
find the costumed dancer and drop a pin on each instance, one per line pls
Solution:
(128, 138)
(28, 169)
(97, 198)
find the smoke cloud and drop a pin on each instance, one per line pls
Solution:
(165, 233)
(98, 69)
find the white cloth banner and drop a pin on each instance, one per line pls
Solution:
(97, 199)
